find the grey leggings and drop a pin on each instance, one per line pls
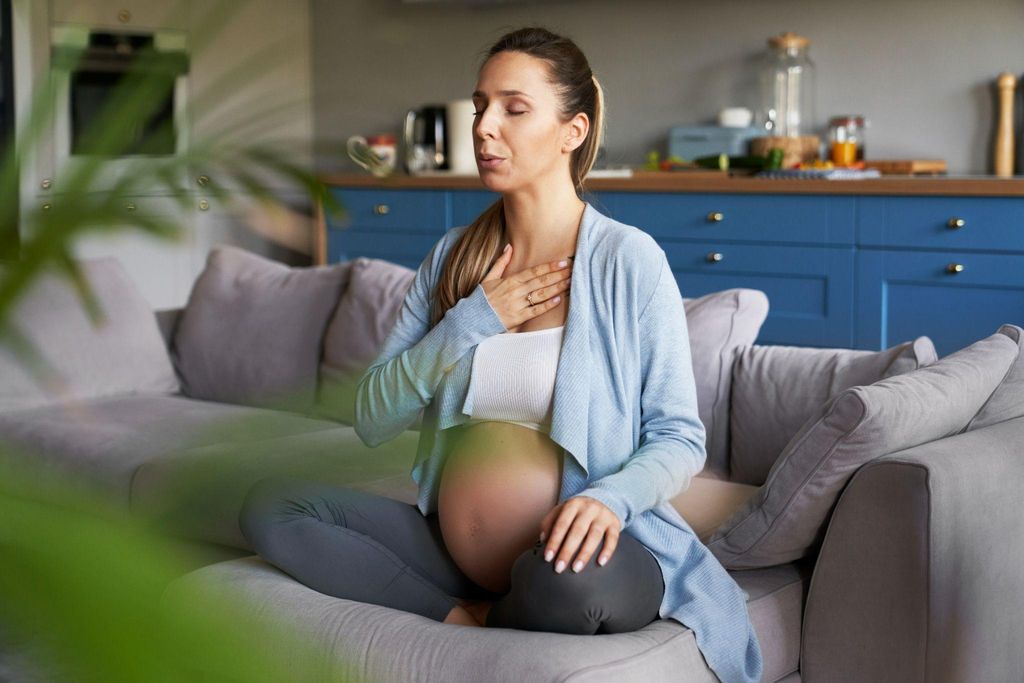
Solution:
(370, 548)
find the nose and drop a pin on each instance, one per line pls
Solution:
(485, 126)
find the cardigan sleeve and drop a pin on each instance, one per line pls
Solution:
(672, 437)
(403, 378)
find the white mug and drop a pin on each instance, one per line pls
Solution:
(461, 154)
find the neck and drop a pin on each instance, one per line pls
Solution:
(542, 227)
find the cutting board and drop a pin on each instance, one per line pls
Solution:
(907, 166)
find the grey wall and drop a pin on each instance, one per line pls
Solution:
(922, 71)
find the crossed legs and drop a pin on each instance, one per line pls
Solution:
(370, 548)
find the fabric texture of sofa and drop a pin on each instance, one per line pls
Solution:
(911, 574)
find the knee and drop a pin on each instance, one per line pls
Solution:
(559, 592)
(261, 505)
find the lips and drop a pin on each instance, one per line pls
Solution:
(490, 157)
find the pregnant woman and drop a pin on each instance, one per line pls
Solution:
(546, 345)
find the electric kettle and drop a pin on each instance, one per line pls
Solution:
(425, 139)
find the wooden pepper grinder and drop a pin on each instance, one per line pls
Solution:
(1007, 84)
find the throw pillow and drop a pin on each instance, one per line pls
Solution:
(777, 388)
(719, 324)
(123, 353)
(357, 331)
(787, 517)
(252, 330)
(1007, 401)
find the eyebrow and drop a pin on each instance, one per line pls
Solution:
(504, 93)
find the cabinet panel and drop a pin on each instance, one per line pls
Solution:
(903, 294)
(809, 289)
(407, 210)
(121, 14)
(743, 218)
(407, 249)
(467, 205)
(988, 223)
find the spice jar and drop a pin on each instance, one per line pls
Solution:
(846, 139)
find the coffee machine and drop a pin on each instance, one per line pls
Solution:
(425, 139)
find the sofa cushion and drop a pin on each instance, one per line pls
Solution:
(123, 353)
(103, 441)
(776, 389)
(357, 330)
(1007, 401)
(252, 330)
(786, 518)
(362, 641)
(707, 502)
(197, 493)
(718, 324)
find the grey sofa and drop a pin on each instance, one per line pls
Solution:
(918, 575)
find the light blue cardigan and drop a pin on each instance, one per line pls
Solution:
(625, 410)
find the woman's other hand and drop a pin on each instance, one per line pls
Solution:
(507, 295)
(579, 520)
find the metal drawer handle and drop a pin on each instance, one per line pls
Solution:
(955, 268)
(955, 223)
(715, 257)
(716, 217)
(381, 209)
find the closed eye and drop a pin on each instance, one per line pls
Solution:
(513, 113)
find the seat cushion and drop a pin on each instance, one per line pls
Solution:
(252, 330)
(1007, 401)
(718, 324)
(786, 518)
(197, 493)
(776, 389)
(105, 440)
(360, 641)
(120, 353)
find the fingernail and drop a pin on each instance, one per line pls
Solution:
(557, 299)
(560, 566)
(603, 561)
(507, 247)
(548, 555)
(578, 566)
(562, 263)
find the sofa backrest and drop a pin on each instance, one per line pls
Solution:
(69, 357)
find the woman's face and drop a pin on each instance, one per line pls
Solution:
(517, 120)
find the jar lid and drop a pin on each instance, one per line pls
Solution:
(789, 40)
(847, 120)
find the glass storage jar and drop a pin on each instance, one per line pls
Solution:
(788, 87)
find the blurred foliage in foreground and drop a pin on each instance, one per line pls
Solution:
(80, 579)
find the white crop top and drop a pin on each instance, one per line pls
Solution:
(513, 377)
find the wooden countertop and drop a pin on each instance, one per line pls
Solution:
(713, 181)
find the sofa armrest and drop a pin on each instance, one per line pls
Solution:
(919, 577)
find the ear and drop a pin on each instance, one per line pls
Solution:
(576, 132)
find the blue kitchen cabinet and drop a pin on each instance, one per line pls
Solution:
(955, 298)
(843, 270)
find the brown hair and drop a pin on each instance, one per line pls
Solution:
(579, 91)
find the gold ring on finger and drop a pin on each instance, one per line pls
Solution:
(529, 298)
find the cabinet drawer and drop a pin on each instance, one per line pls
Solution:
(978, 223)
(903, 294)
(819, 219)
(809, 289)
(409, 210)
(407, 249)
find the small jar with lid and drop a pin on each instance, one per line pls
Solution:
(846, 139)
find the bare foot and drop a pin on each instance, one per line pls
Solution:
(459, 615)
(478, 610)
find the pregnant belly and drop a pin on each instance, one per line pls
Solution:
(499, 481)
